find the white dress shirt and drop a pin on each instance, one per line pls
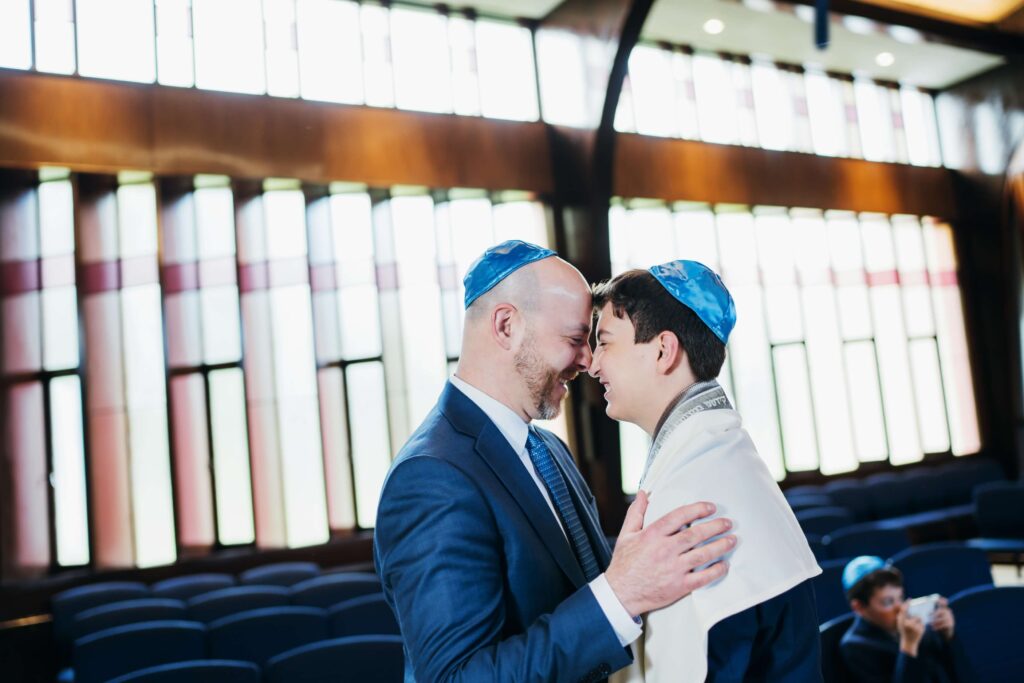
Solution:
(515, 430)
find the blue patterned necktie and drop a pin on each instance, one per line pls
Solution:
(559, 492)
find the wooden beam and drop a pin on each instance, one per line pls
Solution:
(683, 170)
(101, 126)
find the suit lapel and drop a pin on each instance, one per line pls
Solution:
(494, 449)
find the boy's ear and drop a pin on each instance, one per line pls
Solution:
(857, 607)
(670, 353)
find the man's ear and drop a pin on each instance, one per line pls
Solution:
(503, 325)
(670, 353)
(857, 607)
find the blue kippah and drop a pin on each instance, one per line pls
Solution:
(497, 263)
(699, 288)
(859, 567)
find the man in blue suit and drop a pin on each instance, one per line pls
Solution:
(487, 538)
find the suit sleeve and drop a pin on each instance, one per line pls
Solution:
(441, 558)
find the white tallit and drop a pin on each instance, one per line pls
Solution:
(707, 455)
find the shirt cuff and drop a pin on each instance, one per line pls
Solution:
(626, 627)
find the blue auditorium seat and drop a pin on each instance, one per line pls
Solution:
(197, 671)
(999, 509)
(990, 628)
(808, 501)
(822, 521)
(828, 590)
(280, 574)
(805, 490)
(366, 615)
(126, 612)
(865, 539)
(925, 489)
(890, 497)
(943, 568)
(817, 547)
(67, 604)
(373, 659)
(258, 635)
(118, 651)
(850, 494)
(227, 601)
(833, 668)
(327, 591)
(185, 587)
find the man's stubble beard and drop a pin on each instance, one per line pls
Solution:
(540, 379)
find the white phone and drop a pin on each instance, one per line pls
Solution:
(923, 607)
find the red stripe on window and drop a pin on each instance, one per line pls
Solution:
(885, 277)
(181, 277)
(19, 277)
(101, 277)
(322, 277)
(387, 277)
(253, 277)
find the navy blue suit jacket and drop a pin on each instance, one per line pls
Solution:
(481, 578)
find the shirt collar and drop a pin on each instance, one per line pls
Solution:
(511, 426)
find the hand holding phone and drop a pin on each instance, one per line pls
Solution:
(922, 608)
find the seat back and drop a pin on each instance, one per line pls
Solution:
(828, 591)
(833, 668)
(330, 590)
(943, 568)
(366, 615)
(108, 654)
(227, 601)
(808, 501)
(199, 671)
(850, 494)
(823, 521)
(866, 539)
(362, 658)
(989, 627)
(280, 574)
(999, 508)
(258, 635)
(126, 612)
(185, 587)
(817, 547)
(67, 604)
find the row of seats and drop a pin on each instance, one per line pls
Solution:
(943, 568)
(988, 625)
(270, 585)
(255, 636)
(902, 493)
(175, 652)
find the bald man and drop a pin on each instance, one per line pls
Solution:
(487, 539)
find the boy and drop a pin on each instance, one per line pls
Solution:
(885, 643)
(661, 337)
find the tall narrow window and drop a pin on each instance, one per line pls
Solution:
(15, 35)
(115, 39)
(55, 36)
(229, 45)
(175, 63)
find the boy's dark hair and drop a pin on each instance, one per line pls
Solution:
(652, 310)
(880, 578)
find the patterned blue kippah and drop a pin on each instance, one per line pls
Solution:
(497, 263)
(699, 288)
(859, 567)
